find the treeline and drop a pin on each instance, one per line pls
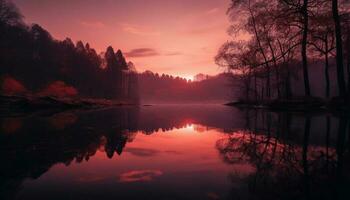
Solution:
(280, 40)
(155, 88)
(32, 61)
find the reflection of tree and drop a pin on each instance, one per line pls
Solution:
(43, 141)
(32, 144)
(285, 168)
(115, 142)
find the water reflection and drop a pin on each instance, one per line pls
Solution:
(211, 152)
(293, 156)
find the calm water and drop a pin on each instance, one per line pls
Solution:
(174, 152)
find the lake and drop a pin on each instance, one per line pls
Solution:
(174, 152)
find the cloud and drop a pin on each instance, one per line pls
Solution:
(212, 11)
(148, 52)
(142, 152)
(172, 53)
(94, 24)
(139, 176)
(173, 152)
(141, 52)
(139, 30)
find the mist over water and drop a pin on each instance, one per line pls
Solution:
(81, 119)
(174, 152)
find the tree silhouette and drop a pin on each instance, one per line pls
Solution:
(339, 49)
(32, 57)
(282, 35)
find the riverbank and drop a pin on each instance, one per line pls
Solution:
(25, 104)
(297, 104)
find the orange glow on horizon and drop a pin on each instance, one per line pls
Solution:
(172, 37)
(188, 77)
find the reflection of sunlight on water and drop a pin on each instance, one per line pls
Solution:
(170, 153)
(189, 128)
(139, 175)
(171, 157)
(194, 128)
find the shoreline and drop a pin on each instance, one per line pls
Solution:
(294, 105)
(30, 104)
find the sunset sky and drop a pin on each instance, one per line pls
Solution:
(177, 37)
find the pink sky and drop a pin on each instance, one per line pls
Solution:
(177, 37)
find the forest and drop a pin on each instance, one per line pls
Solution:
(282, 52)
(34, 63)
(277, 44)
(155, 88)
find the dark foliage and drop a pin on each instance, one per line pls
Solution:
(166, 88)
(42, 65)
(284, 45)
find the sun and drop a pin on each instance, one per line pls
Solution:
(188, 77)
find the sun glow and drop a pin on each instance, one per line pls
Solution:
(188, 77)
(189, 128)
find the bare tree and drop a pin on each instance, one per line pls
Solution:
(339, 49)
(297, 14)
(283, 33)
(322, 38)
(303, 47)
(263, 31)
(239, 58)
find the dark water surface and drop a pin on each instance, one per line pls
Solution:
(174, 152)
